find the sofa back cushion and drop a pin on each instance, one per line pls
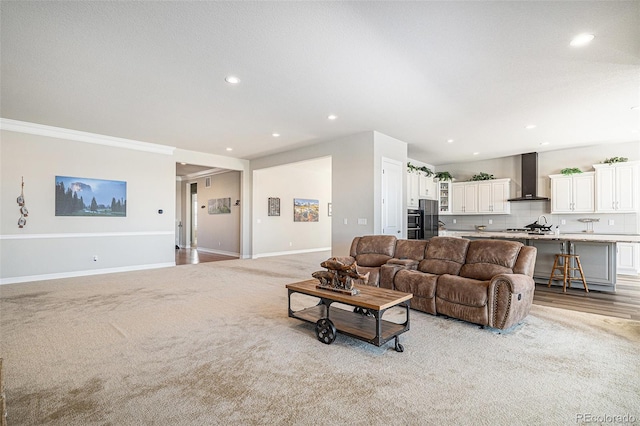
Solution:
(444, 255)
(410, 249)
(526, 261)
(373, 250)
(487, 258)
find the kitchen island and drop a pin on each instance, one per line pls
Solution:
(597, 252)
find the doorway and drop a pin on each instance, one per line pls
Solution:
(194, 215)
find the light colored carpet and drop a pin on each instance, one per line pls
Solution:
(212, 344)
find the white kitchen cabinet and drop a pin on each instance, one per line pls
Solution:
(444, 197)
(464, 198)
(617, 187)
(427, 188)
(628, 258)
(413, 187)
(573, 193)
(493, 196)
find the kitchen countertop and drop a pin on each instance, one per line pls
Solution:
(605, 238)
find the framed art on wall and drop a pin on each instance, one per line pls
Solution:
(305, 210)
(274, 206)
(220, 205)
(90, 197)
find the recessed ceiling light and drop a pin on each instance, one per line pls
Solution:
(275, 135)
(635, 108)
(476, 153)
(332, 117)
(229, 149)
(232, 79)
(449, 140)
(581, 40)
(544, 143)
(530, 126)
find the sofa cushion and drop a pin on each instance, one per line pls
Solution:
(444, 255)
(462, 291)
(487, 258)
(419, 283)
(410, 249)
(373, 250)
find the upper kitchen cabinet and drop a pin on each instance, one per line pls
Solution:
(493, 196)
(617, 187)
(573, 193)
(413, 189)
(427, 188)
(482, 197)
(444, 196)
(464, 197)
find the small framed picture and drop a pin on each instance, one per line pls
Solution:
(329, 209)
(274, 206)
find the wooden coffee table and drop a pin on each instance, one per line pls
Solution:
(364, 322)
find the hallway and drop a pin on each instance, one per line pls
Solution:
(188, 256)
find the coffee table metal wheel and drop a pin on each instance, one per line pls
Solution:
(326, 331)
(362, 311)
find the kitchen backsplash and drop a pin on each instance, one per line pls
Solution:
(524, 213)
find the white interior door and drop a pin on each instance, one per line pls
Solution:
(392, 213)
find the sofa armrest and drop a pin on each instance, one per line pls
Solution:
(389, 270)
(510, 297)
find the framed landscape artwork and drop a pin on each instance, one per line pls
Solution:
(220, 206)
(305, 210)
(90, 197)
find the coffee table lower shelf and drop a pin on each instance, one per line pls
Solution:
(364, 322)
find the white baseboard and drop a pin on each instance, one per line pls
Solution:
(29, 278)
(284, 253)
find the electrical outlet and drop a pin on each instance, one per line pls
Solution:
(455, 221)
(563, 222)
(290, 244)
(611, 222)
(346, 222)
(490, 222)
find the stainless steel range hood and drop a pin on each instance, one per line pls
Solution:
(529, 179)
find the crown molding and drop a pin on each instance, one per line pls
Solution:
(76, 135)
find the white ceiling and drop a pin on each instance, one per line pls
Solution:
(421, 72)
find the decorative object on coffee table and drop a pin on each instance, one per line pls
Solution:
(341, 275)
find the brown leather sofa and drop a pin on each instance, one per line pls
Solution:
(486, 282)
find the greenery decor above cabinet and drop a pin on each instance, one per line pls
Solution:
(617, 187)
(573, 193)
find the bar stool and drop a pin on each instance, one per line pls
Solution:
(567, 271)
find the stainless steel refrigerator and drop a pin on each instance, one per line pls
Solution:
(429, 213)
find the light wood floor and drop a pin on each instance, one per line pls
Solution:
(624, 303)
(188, 256)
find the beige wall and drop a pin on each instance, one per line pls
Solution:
(52, 246)
(273, 235)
